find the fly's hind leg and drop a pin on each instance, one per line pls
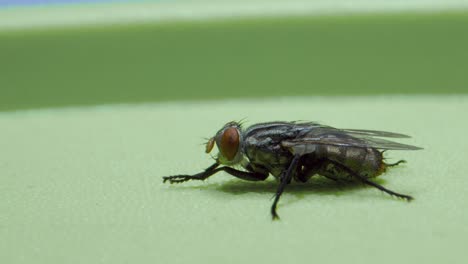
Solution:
(371, 183)
(331, 174)
(395, 164)
(332, 178)
(305, 173)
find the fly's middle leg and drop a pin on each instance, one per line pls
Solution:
(286, 177)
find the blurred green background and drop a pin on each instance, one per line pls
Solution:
(327, 55)
(80, 174)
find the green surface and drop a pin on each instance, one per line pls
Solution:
(83, 185)
(369, 54)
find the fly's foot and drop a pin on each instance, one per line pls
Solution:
(275, 217)
(403, 196)
(178, 178)
(395, 194)
(399, 195)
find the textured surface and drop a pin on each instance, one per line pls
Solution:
(83, 185)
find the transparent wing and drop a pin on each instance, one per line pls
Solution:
(350, 142)
(374, 133)
(324, 135)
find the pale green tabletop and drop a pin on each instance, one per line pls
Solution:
(83, 185)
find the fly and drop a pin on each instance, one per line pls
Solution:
(298, 151)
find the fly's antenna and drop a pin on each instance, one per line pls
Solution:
(206, 140)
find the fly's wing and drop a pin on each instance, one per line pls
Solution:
(309, 139)
(373, 133)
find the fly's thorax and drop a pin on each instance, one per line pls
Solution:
(229, 141)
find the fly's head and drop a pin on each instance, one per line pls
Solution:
(229, 142)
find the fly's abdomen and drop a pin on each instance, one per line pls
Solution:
(366, 162)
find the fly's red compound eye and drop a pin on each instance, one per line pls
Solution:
(209, 145)
(229, 143)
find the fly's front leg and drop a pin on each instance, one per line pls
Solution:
(371, 183)
(248, 176)
(199, 176)
(285, 179)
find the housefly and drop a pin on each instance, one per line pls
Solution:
(298, 151)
